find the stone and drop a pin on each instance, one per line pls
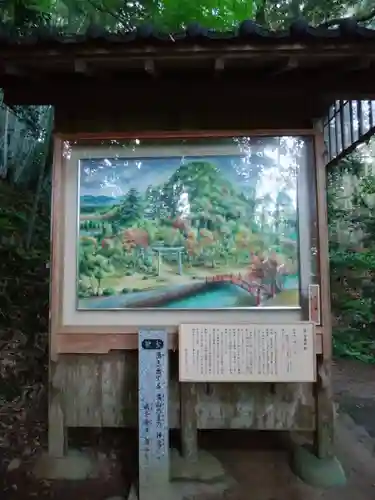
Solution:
(186, 490)
(317, 472)
(206, 469)
(205, 477)
(74, 466)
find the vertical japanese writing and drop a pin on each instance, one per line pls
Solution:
(153, 409)
(263, 352)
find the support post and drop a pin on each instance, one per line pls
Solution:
(153, 415)
(57, 432)
(324, 434)
(188, 422)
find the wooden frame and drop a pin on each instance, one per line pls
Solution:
(103, 338)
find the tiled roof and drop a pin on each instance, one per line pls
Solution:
(347, 31)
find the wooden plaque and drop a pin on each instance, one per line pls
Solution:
(247, 353)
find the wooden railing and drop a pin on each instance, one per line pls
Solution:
(250, 286)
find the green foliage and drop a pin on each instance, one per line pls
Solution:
(75, 15)
(24, 297)
(352, 230)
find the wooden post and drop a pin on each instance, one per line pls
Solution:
(324, 434)
(188, 421)
(57, 439)
(57, 432)
(159, 262)
(179, 256)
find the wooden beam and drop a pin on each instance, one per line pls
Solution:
(76, 343)
(188, 50)
(361, 63)
(150, 67)
(292, 85)
(14, 70)
(290, 65)
(81, 67)
(219, 65)
(188, 422)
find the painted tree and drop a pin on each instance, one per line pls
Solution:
(131, 209)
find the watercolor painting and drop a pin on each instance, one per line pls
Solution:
(190, 232)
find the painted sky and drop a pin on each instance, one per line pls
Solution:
(115, 176)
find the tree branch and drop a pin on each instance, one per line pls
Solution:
(359, 19)
(105, 10)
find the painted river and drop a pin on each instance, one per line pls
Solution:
(210, 297)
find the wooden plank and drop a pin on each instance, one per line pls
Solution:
(188, 424)
(185, 134)
(57, 257)
(114, 391)
(57, 438)
(83, 399)
(96, 343)
(260, 406)
(153, 377)
(57, 431)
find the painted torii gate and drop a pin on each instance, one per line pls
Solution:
(174, 251)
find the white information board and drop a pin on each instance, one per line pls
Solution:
(247, 353)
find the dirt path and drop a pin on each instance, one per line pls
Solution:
(265, 475)
(260, 474)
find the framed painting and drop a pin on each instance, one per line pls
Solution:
(156, 228)
(193, 224)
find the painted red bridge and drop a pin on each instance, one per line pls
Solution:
(256, 289)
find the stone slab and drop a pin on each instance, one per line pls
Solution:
(207, 468)
(74, 466)
(206, 476)
(185, 490)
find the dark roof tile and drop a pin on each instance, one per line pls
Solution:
(299, 31)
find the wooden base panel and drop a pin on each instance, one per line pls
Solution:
(102, 391)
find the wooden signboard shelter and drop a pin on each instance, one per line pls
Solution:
(195, 89)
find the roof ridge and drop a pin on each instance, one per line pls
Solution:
(347, 30)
